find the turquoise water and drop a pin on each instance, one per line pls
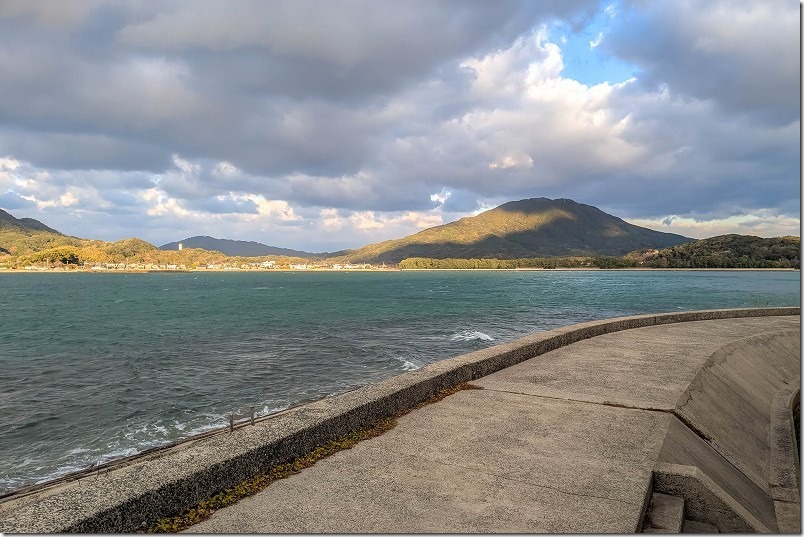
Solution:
(99, 366)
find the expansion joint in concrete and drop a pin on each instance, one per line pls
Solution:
(586, 401)
(673, 412)
(474, 469)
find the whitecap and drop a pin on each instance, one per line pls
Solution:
(267, 411)
(124, 452)
(407, 364)
(469, 335)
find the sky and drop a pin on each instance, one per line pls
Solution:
(323, 125)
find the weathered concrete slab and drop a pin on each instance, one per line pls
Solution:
(783, 461)
(788, 516)
(646, 367)
(705, 501)
(683, 447)
(478, 461)
(665, 514)
(730, 400)
(692, 526)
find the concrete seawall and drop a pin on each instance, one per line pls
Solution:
(132, 497)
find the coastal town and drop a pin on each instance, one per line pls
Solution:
(172, 267)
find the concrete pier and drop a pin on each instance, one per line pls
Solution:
(580, 429)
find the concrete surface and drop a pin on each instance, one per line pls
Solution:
(684, 448)
(691, 526)
(549, 445)
(665, 514)
(734, 391)
(567, 441)
(476, 462)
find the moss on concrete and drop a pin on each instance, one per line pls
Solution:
(227, 497)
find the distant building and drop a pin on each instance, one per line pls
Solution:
(181, 246)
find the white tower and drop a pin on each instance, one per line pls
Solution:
(181, 246)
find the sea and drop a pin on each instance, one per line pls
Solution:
(95, 367)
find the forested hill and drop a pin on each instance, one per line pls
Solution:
(20, 236)
(9, 222)
(726, 251)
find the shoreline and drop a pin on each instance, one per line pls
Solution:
(521, 269)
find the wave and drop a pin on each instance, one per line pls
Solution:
(407, 365)
(469, 335)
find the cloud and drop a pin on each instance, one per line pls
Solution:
(337, 124)
(763, 223)
(736, 55)
(59, 15)
(11, 200)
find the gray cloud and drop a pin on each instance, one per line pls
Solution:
(738, 55)
(176, 110)
(11, 201)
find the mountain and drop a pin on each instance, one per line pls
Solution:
(10, 223)
(20, 236)
(537, 227)
(235, 248)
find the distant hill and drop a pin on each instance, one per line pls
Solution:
(537, 227)
(20, 236)
(10, 223)
(235, 248)
(726, 251)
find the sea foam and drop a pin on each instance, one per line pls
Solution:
(469, 335)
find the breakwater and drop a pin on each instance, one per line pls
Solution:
(134, 496)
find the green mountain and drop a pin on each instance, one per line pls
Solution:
(726, 251)
(235, 248)
(537, 227)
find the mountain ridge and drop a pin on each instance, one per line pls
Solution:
(9, 221)
(235, 248)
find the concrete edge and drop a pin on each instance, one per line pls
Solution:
(717, 358)
(136, 495)
(783, 457)
(788, 517)
(646, 503)
(705, 500)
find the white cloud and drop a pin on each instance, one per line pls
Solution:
(277, 209)
(411, 220)
(225, 169)
(512, 161)
(762, 223)
(330, 219)
(365, 220)
(9, 164)
(441, 197)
